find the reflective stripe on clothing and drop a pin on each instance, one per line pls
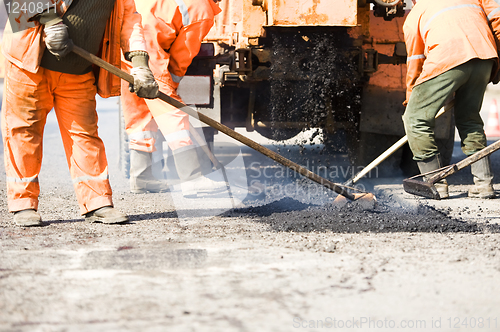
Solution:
(22, 180)
(442, 11)
(103, 176)
(177, 136)
(184, 12)
(416, 57)
(493, 13)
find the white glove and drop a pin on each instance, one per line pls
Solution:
(144, 85)
(57, 39)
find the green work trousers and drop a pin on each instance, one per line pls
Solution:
(468, 81)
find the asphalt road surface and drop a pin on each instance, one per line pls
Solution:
(284, 260)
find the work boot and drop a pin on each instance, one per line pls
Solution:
(483, 176)
(27, 218)
(430, 165)
(142, 180)
(189, 168)
(203, 186)
(106, 215)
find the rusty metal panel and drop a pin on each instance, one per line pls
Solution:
(312, 12)
(255, 19)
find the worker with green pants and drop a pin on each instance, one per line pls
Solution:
(451, 51)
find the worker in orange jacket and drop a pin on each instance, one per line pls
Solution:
(42, 74)
(451, 50)
(174, 31)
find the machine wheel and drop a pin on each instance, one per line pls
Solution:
(281, 134)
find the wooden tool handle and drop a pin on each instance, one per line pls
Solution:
(214, 124)
(466, 162)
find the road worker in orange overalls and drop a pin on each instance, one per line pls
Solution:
(451, 50)
(42, 73)
(174, 30)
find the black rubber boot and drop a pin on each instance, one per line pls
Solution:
(483, 177)
(430, 165)
(142, 180)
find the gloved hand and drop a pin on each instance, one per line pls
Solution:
(144, 85)
(57, 39)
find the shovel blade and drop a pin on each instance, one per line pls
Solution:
(421, 188)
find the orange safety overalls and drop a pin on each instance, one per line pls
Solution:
(31, 92)
(174, 31)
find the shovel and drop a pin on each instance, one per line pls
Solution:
(427, 188)
(338, 188)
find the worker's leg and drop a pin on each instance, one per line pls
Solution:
(468, 102)
(419, 120)
(469, 99)
(142, 131)
(174, 125)
(425, 101)
(26, 104)
(75, 107)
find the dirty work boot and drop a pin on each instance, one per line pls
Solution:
(27, 218)
(482, 188)
(430, 165)
(106, 215)
(142, 180)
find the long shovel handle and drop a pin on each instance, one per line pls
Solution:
(339, 189)
(396, 146)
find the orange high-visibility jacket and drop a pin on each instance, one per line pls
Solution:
(174, 30)
(441, 35)
(492, 11)
(123, 31)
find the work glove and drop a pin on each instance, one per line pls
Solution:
(144, 85)
(57, 39)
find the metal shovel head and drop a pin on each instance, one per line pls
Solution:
(421, 188)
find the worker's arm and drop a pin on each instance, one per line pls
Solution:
(186, 46)
(131, 34)
(415, 49)
(134, 48)
(492, 11)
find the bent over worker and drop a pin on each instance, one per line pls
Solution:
(174, 30)
(42, 74)
(451, 50)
